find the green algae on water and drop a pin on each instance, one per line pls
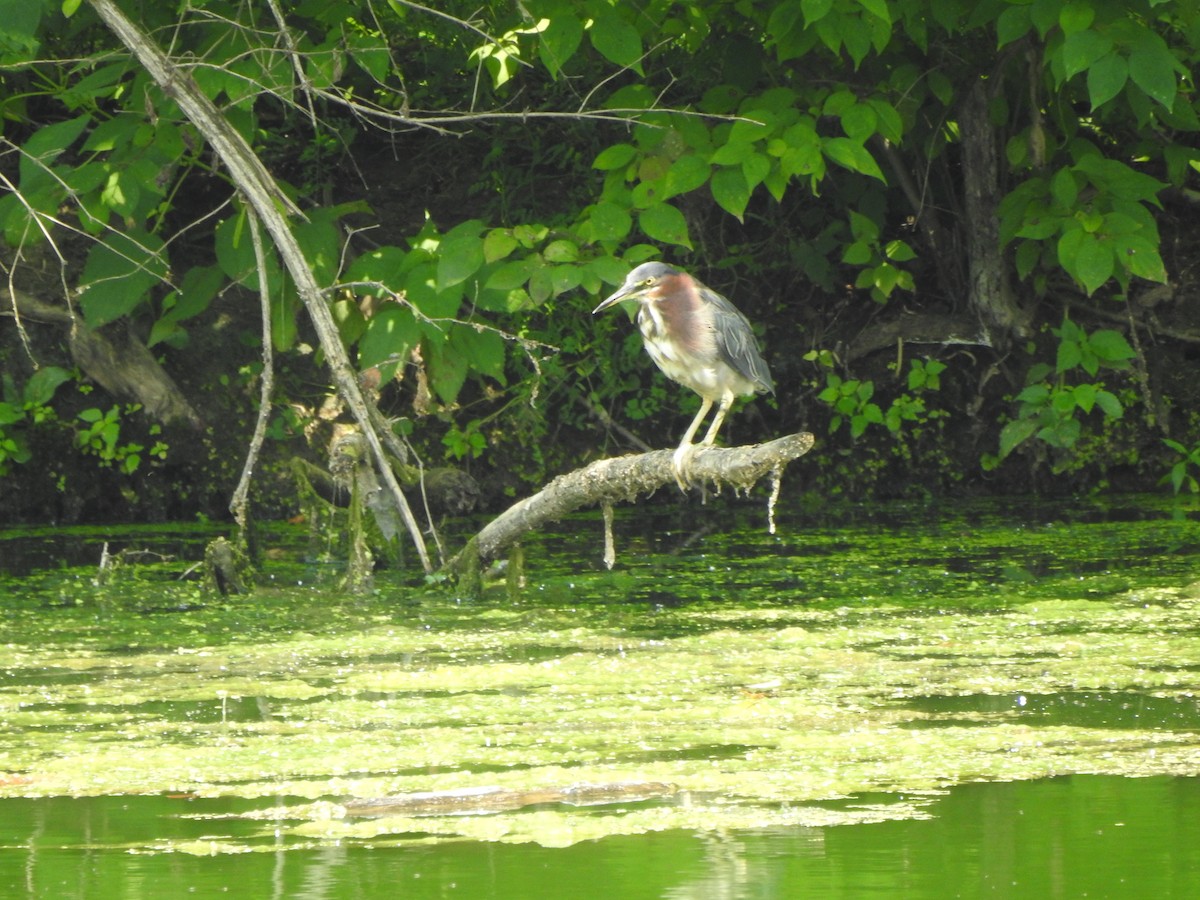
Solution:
(758, 699)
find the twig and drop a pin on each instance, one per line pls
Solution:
(238, 504)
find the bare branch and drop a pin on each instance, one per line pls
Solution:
(270, 204)
(624, 478)
(238, 505)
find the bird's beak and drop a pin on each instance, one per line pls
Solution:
(626, 291)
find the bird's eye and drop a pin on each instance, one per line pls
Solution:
(647, 282)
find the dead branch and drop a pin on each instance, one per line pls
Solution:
(625, 478)
(113, 358)
(270, 204)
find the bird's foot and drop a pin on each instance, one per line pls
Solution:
(681, 463)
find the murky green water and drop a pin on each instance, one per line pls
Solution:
(1076, 836)
(974, 701)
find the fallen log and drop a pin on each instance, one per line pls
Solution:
(624, 479)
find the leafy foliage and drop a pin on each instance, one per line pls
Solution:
(1051, 407)
(768, 138)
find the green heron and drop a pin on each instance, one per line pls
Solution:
(697, 338)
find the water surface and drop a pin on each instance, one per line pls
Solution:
(891, 701)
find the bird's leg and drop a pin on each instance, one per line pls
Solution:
(718, 419)
(683, 453)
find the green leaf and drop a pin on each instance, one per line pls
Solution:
(390, 336)
(732, 153)
(1081, 49)
(609, 222)
(121, 193)
(1069, 356)
(200, 286)
(40, 387)
(1044, 14)
(1085, 396)
(615, 157)
(1110, 404)
(1068, 249)
(853, 156)
(1139, 255)
(541, 286)
(1152, 67)
(565, 278)
(321, 242)
(119, 273)
(730, 190)
(1034, 395)
(387, 265)
(755, 169)
(863, 227)
(686, 174)
(1076, 16)
(447, 368)
(497, 244)
(1123, 182)
(421, 290)
(350, 321)
(815, 10)
(877, 8)
(1063, 401)
(754, 125)
(1111, 347)
(511, 275)
(559, 41)
(561, 251)
(1064, 189)
(859, 122)
(1029, 254)
(609, 269)
(1063, 433)
(1012, 25)
(858, 254)
(459, 255)
(1094, 263)
(285, 305)
(483, 350)
(371, 54)
(45, 145)
(235, 252)
(1016, 433)
(615, 39)
(663, 222)
(1106, 78)
(889, 123)
(856, 40)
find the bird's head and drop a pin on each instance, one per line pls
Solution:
(647, 282)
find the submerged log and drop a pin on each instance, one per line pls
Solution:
(476, 801)
(625, 478)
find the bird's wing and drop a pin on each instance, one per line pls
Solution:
(735, 341)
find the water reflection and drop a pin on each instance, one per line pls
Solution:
(1069, 837)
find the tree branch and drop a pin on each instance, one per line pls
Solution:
(267, 200)
(625, 478)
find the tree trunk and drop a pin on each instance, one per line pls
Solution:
(990, 292)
